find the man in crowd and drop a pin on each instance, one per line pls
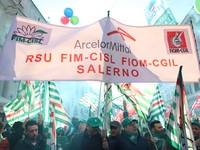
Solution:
(115, 131)
(156, 137)
(82, 125)
(90, 139)
(33, 140)
(115, 128)
(196, 132)
(17, 132)
(62, 140)
(130, 138)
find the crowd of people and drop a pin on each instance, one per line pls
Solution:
(89, 135)
(31, 135)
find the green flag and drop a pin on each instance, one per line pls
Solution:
(178, 132)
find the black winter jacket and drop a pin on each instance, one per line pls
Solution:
(121, 142)
(27, 145)
(82, 141)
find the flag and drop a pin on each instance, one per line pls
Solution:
(25, 105)
(194, 106)
(51, 137)
(168, 110)
(61, 114)
(130, 109)
(157, 109)
(142, 126)
(26, 93)
(89, 100)
(178, 132)
(140, 96)
(157, 12)
(119, 116)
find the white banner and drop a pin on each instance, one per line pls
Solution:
(105, 51)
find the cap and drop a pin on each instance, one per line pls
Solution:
(196, 122)
(45, 129)
(94, 122)
(60, 129)
(127, 121)
(115, 124)
(82, 121)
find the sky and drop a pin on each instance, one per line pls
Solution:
(89, 11)
(130, 12)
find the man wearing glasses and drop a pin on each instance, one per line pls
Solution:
(62, 140)
(130, 138)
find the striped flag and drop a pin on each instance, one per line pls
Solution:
(88, 101)
(61, 115)
(19, 109)
(157, 12)
(194, 106)
(26, 93)
(51, 137)
(157, 109)
(130, 109)
(142, 126)
(140, 95)
(178, 132)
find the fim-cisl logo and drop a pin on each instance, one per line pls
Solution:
(31, 35)
(177, 42)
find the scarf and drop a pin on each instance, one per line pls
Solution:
(1, 137)
(132, 137)
(61, 140)
(159, 138)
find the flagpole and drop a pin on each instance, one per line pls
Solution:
(105, 105)
(117, 97)
(40, 99)
(98, 110)
(44, 103)
(29, 107)
(107, 97)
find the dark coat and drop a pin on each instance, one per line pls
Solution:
(82, 141)
(113, 142)
(27, 145)
(15, 137)
(123, 143)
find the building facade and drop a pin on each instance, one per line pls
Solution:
(8, 11)
(192, 89)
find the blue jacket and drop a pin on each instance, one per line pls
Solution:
(121, 142)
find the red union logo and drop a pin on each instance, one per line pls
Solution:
(122, 34)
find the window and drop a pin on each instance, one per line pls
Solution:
(197, 87)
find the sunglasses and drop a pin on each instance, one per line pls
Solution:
(60, 134)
